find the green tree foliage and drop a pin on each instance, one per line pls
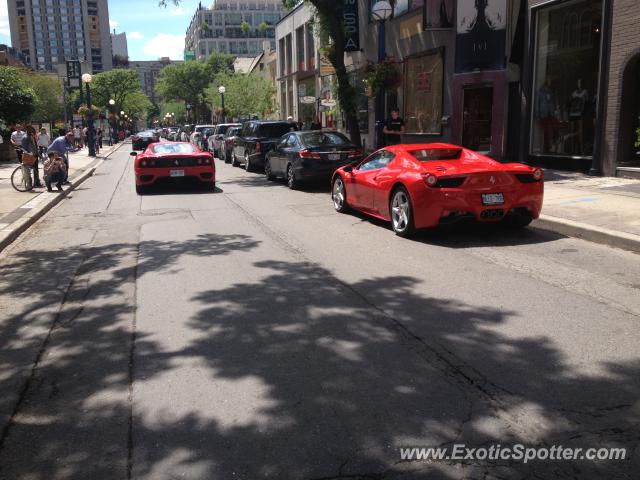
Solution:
(185, 81)
(239, 103)
(263, 27)
(48, 100)
(177, 108)
(246, 28)
(219, 62)
(118, 84)
(136, 105)
(18, 99)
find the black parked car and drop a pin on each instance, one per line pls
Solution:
(255, 139)
(310, 155)
(141, 140)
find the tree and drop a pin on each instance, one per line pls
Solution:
(48, 96)
(263, 27)
(18, 100)
(177, 108)
(120, 61)
(187, 82)
(246, 28)
(118, 84)
(219, 62)
(237, 102)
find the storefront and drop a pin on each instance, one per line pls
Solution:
(565, 83)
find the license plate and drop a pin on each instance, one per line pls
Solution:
(492, 198)
(176, 173)
(334, 156)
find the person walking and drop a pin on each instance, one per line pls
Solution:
(16, 139)
(43, 141)
(62, 146)
(54, 171)
(98, 139)
(30, 145)
(77, 136)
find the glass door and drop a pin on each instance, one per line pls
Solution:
(476, 118)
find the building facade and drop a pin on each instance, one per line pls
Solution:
(48, 32)
(119, 45)
(148, 72)
(237, 27)
(11, 57)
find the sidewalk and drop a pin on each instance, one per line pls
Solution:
(599, 209)
(19, 210)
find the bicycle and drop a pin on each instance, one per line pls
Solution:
(22, 178)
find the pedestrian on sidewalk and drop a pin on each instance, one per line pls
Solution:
(43, 141)
(62, 146)
(85, 137)
(77, 138)
(54, 171)
(98, 139)
(16, 139)
(30, 145)
(394, 128)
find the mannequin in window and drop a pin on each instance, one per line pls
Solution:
(577, 110)
(547, 115)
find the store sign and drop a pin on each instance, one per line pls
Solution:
(328, 102)
(481, 35)
(351, 26)
(308, 100)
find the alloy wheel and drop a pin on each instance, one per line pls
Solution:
(400, 211)
(338, 194)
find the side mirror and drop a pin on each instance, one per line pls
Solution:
(348, 169)
(133, 154)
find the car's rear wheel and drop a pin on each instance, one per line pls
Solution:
(247, 163)
(234, 160)
(401, 213)
(518, 220)
(339, 195)
(292, 181)
(141, 189)
(267, 170)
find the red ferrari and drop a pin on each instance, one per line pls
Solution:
(421, 186)
(173, 161)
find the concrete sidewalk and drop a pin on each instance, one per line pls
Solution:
(599, 209)
(19, 210)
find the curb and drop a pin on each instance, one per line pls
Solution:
(591, 233)
(12, 231)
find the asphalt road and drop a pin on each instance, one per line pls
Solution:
(255, 333)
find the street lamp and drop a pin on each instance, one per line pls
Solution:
(381, 12)
(188, 108)
(222, 90)
(86, 79)
(114, 123)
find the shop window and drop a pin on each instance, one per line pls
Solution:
(423, 93)
(567, 63)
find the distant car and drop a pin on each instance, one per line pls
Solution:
(312, 155)
(173, 161)
(142, 140)
(255, 139)
(199, 129)
(226, 149)
(216, 139)
(425, 185)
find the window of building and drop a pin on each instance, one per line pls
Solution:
(424, 81)
(565, 86)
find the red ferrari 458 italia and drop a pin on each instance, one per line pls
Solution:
(421, 186)
(173, 161)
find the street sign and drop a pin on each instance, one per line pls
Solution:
(302, 90)
(189, 55)
(328, 102)
(74, 73)
(307, 100)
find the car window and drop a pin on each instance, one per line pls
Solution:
(231, 132)
(273, 130)
(377, 160)
(284, 141)
(221, 129)
(173, 148)
(319, 139)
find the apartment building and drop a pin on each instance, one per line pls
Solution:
(48, 32)
(237, 27)
(148, 72)
(119, 45)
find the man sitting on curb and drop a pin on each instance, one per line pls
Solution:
(62, 146)
(54, 171)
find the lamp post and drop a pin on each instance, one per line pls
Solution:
(381, 12)
(86, 79)
(114, 122)
(188, 108)
(222, 90)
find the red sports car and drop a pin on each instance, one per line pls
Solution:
(173, 161)
(421, 186)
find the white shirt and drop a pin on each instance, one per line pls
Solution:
(43, 140)
(17, 137)
(76, 132)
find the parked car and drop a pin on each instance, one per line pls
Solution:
(173, 161)
(199, 129)
(226, 148)
(217, 138)
(255, 139)
(142, 140)
(421, 186)
(311, 155)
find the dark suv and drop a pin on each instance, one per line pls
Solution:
(255, 139)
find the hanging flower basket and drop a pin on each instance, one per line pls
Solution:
(383, 76)
(84, 111)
